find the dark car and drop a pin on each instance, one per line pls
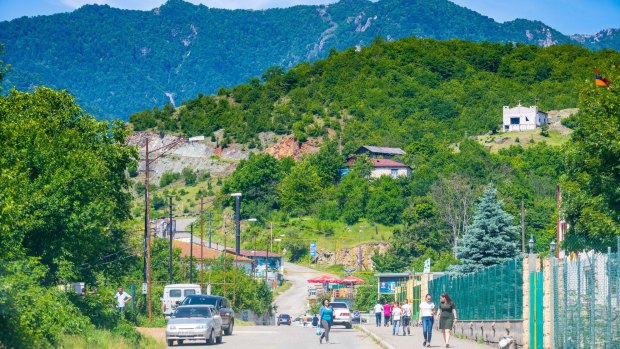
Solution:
(284, 319)
(221, 304)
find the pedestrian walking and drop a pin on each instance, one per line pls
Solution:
(397, 313)
(378, 310)
(447, 317)
(326, 313)
(121, 299)
(407, 311)
(387, 313)
(427, 310)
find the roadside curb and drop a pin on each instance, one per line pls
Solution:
(381, 342)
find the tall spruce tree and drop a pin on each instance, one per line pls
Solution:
(490, 239)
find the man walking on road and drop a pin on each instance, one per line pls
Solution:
(378, 311)
(407, 311)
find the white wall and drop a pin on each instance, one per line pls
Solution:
(387, 171)
(529, 118)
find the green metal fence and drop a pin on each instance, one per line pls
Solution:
(494, 293)
(586, 301)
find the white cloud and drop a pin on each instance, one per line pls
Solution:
(228, 4)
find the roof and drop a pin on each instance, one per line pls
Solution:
(386, 163)
(207, 253)
(255, 253)
(393, 275)
(382, 150)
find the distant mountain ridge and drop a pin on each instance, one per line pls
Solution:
(118, 62)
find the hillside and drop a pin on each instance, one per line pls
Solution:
(117, 62)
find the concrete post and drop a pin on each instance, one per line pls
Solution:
(526, 301)
(548, 313)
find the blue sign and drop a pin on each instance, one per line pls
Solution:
(387, 286)
(313, 249)
(356, 313)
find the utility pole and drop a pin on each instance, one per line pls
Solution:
(209, 229)
(224, 252)
(522, 227)
(191, 254)
(202, 242)
(147, 235)
(237, 224)
(270, 246)
(170, 233)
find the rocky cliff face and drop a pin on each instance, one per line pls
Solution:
(358, 257)
(289, 147)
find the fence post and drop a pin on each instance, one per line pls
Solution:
(578, 317)
(609, 310)
(547, 304)
(526, 301)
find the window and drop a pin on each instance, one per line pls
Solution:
(514, 121)
(189, 292)
(175, 293)
(394, 172)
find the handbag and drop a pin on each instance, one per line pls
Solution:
(319, 331)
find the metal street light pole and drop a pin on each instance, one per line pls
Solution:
(147, 234)
(237, 223)
(202, 243)
(170, 233)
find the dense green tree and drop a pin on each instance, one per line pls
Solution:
(64, 185)
(490, 239)
(299, 190)
(385, 203)
(591, 198)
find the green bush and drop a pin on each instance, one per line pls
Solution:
(189, 176)
(167, 178)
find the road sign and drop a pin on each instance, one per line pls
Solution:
(313, 249)
(144, 288)
(427, 266)
(356, 313)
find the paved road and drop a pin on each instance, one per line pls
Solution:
(287, 337)
(293, 301)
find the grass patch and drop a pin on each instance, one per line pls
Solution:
(526, 139)
(101, 339)
(282, 288)
(239, 322)
(157, 321)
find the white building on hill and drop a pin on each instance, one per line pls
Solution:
(522, 118)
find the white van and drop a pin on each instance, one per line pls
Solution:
(174, 294)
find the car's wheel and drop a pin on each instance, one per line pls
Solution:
(211, 338)
(278, 324)
(218, 339)
(348, 326)
(180, 341)
(228, 331)
(170, 342)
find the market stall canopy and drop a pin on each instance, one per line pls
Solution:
(324, 279)
(352, 280)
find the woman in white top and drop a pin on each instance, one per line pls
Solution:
(397, 312)
(427, 309)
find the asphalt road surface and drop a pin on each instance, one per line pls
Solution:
(293, 301)
(288, 337)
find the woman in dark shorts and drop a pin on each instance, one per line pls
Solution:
(447, 317)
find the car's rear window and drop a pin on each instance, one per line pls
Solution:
(175, 293)
(189, 292)
(339, 305)
(284, 316)
(199, 300)
(192, 312)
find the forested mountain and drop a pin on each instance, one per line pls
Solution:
(390, 93)
(117, 62)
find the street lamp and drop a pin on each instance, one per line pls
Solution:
(552, 248)
(531, 244)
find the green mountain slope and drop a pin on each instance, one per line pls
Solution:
(117, 62)
(391, 93)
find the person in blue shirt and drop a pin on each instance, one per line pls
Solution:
(326, 313)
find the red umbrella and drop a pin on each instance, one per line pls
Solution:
(352, 280)
(324, 279)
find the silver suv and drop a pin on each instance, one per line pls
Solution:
(342, 314)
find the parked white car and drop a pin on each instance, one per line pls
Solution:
(194, 322)
(173, 296)
(342, 314)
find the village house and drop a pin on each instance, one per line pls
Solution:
(210, 254)
(381, 159)
(522, 118)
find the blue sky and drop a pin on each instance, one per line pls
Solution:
(567, 16)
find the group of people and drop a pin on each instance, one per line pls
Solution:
(397, 316)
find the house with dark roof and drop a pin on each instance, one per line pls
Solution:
(208, 254)
(381, 161)
(264, 259)
(379, 152)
